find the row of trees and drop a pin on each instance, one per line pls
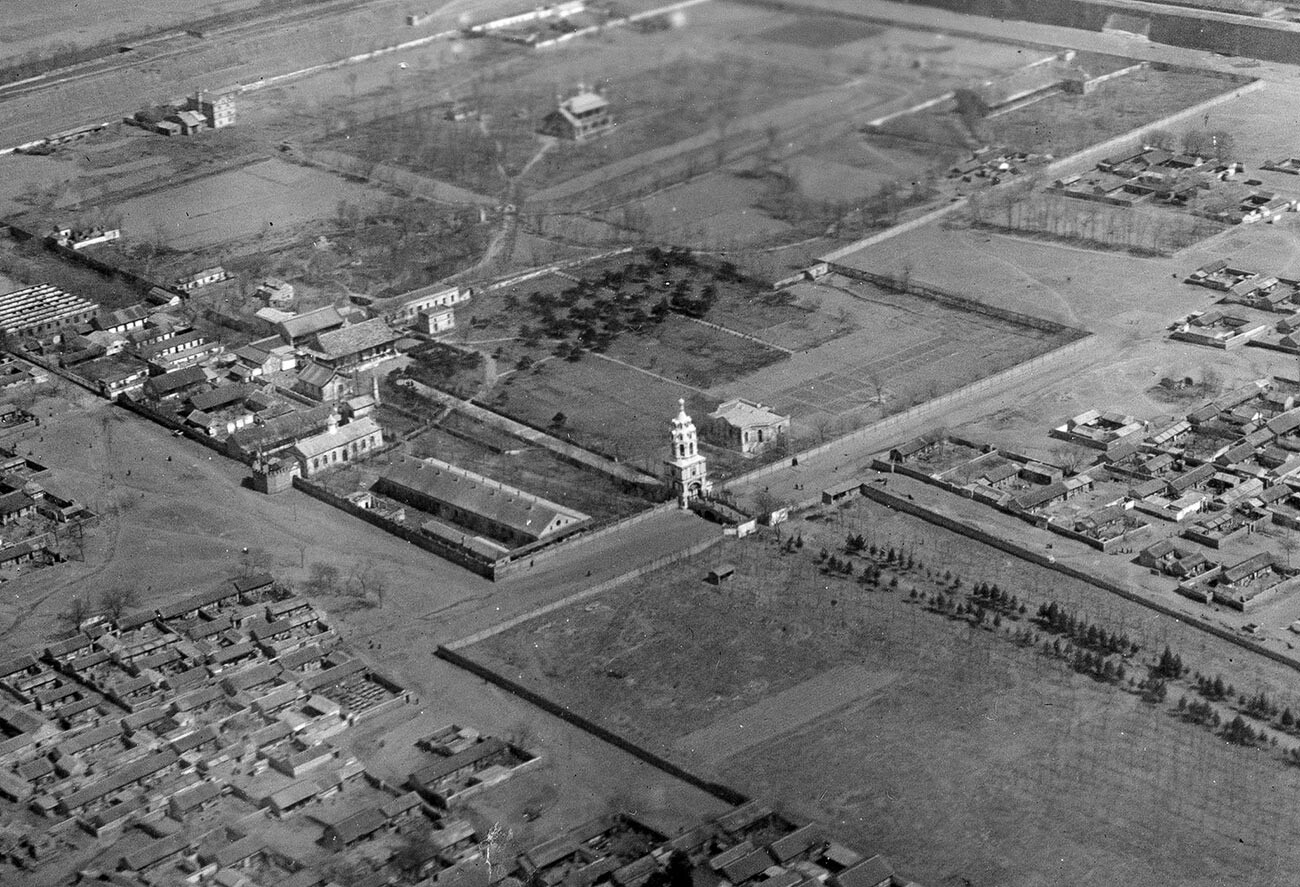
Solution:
(1086, 635)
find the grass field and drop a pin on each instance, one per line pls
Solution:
(969, 756)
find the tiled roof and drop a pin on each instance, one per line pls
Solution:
(356, 338)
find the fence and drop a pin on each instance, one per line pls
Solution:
(716, 789)
(515, 562)
(897, 503)
(657, 564)
(952, 300)
(453, 553)
(920, 411)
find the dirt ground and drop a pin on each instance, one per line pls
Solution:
(948, 748)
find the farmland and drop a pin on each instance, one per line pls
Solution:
(966, 730)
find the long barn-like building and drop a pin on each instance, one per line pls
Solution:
(42, 309)
(476, 502)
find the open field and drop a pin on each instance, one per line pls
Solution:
(961, 732)
(41, 27)
(241, 203)
(1060, 124)
(903, 350)
(837, 354)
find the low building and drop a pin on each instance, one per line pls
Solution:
(42, 310)
(406, 308)
(299, 328)
(275, 292)
(205, 277)
(436, 320)
(338, 444)
(476, 502)
(322, 384)
(580, 117)
(747, 426)
(115, 375)
(357, 346)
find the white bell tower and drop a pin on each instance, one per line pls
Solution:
(687, 469)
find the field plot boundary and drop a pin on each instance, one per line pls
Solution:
(564, 713)
(1086, 155)
(786, 711)
(1083, 340)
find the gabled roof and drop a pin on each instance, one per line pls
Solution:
(312, 322)
(584, 102)
(868, 873)
(316, 375)
(741, 413)
(326, 441)
(359, 825)
(356, 338)
(220, 397)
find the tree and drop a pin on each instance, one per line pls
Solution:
(322, 577)
(116, 601)
(558, 420)
(1160, 138)
(972, 109)
(78, 612)
(368, 582)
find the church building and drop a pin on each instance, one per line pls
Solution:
(686, 470)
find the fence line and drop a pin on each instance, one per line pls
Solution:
(917, 412)
(564, 713)
(657, 564)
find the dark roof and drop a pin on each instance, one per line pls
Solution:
(749, 866)
(177, 380)
(444, 767)
(797, 842)
(359, 825)
(220, 397)
(356, 338)
(312, 322)
(868, 873)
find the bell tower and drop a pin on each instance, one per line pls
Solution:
(687, 469)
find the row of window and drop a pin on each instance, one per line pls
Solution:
(342, 454)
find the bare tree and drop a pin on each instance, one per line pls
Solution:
(322, 578)
(78, 612)
(115, 602)
(368, 582)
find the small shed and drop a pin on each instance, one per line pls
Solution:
(721, 573)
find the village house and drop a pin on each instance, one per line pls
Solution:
(321, 383)
(299, 328)
(357, 346)
(583, 116)
(115, 375)
(746, 426)
(404, 309)
(432, 321)
(275, 292)
(204, 277)
(216, 108)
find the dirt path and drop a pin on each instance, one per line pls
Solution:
(786, 711)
